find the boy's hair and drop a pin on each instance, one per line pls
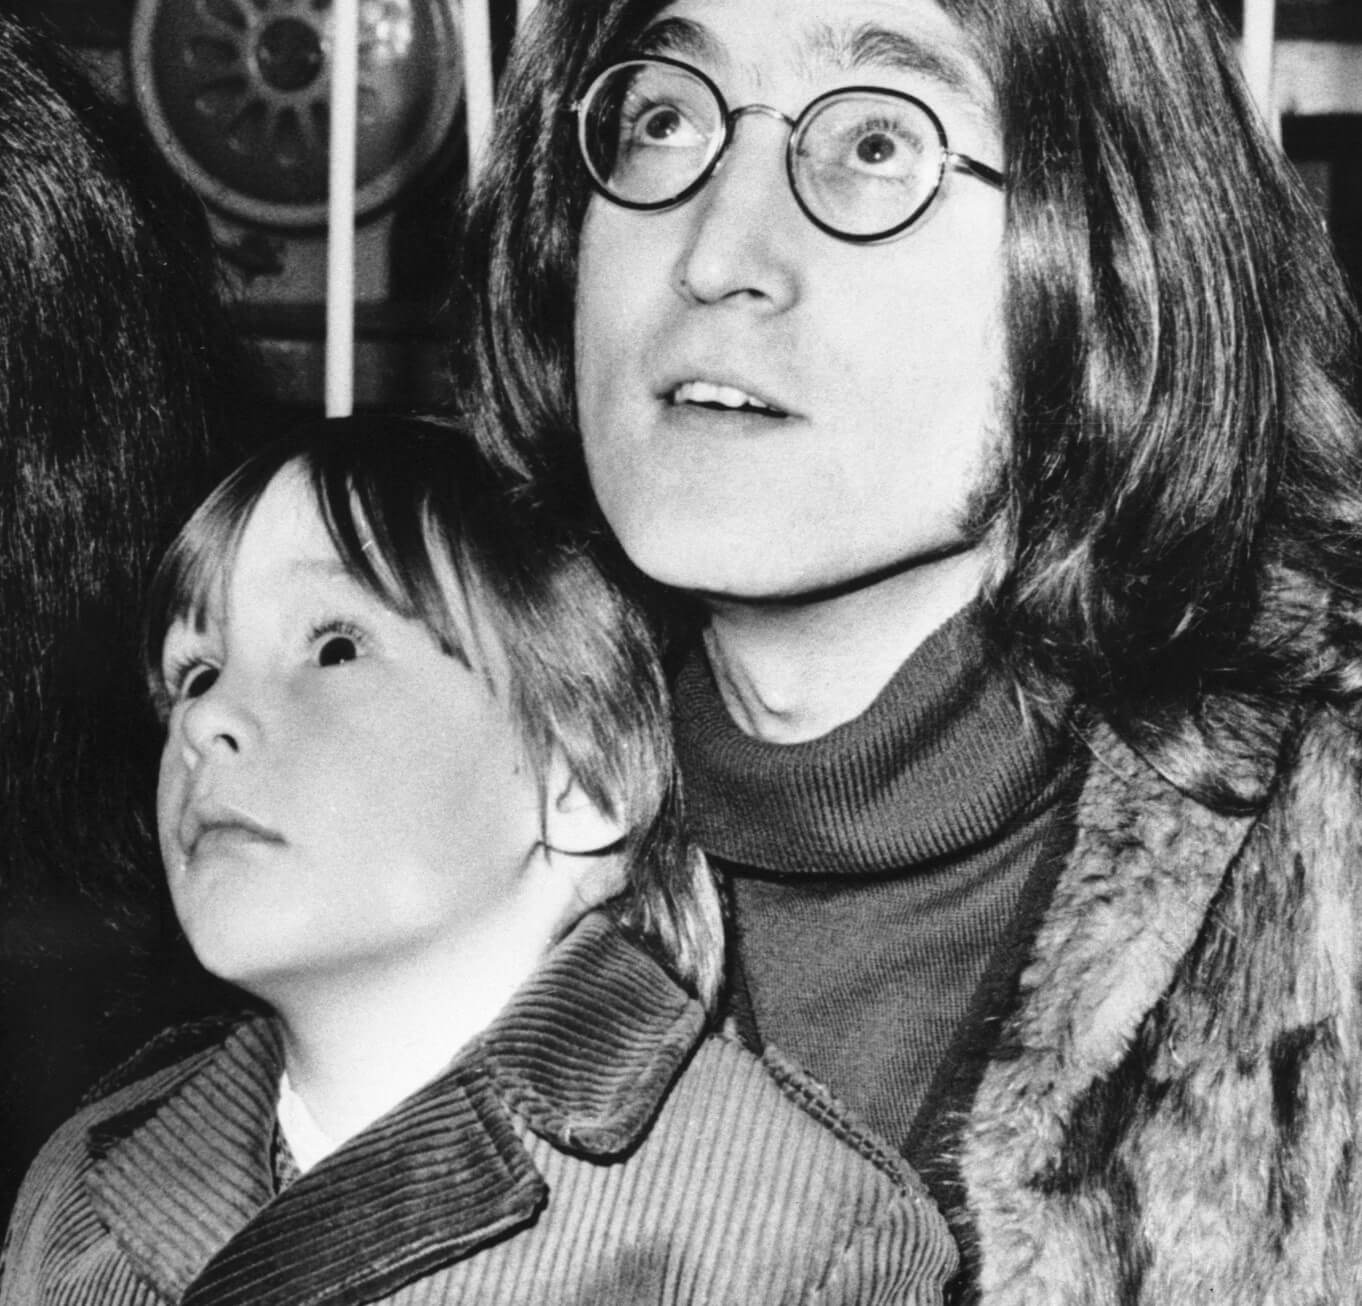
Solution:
(407, 502)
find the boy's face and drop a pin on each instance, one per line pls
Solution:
(338, 798)
(768, 411)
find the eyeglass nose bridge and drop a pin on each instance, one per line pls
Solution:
(731, 117)
(764, 110)
(730, 121)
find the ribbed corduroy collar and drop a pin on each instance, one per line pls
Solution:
(938, 763)
(583, 1054)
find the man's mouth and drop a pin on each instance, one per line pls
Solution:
(721, 398)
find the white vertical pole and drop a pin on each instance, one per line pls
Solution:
(340, 218)
(478, 91)
(1260, 23)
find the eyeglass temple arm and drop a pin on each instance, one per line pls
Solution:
(980, 170)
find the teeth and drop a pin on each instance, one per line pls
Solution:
(725, 396)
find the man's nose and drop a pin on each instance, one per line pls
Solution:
(747, 232)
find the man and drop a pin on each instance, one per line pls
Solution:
(978, 371)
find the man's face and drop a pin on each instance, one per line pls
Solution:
(866, 379)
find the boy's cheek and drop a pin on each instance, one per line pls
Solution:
(169, 798)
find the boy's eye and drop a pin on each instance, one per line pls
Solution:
(336, 649)
(198, 681)
(192, 680)
(336, 642)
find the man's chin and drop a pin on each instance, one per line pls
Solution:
(957, 566)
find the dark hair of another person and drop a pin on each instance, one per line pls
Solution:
(415, 512)
(119, 373)
(1178, 515)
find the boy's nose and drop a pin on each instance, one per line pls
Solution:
(215, 721)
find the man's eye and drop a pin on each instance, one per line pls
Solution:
(884, 149)
(659, 125)
(875, 148)
(668, 120)
(859, 141)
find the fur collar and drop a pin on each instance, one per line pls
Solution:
(1171, 1112)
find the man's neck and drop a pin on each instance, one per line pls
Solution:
(792, 672)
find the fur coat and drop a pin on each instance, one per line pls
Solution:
(1173, 1112)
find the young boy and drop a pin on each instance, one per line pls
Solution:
(416, 797)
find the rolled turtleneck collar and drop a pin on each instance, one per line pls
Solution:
(940, 762)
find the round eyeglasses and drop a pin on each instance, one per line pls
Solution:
(864, 162)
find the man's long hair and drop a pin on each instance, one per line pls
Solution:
(118, 368)
(1178, 526)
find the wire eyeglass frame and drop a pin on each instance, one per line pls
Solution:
(727, 119)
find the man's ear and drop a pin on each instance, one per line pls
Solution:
(573, 823)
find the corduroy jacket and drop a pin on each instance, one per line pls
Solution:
(1172, 1116)
(591, 1147)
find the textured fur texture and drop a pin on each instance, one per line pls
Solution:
(1173, 1113)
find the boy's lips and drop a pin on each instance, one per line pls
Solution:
(201, 822)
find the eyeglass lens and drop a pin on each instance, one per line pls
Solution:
(862, 162)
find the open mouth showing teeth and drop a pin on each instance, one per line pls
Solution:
(726, 398)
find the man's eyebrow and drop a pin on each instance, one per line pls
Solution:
(869, 46)
(855, 50)
(680, 38)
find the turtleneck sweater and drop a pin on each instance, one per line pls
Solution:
(886, 878)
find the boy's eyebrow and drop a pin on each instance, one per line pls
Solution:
(866, 46)
(325, 568)
(343, 581)
(330, 571)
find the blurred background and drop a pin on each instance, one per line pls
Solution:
(235, 95)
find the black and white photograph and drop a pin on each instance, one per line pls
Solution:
(680, 653)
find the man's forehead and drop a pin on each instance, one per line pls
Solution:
(913, 37)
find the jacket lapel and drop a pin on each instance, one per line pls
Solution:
(1145, 867)
(437, 1178)
(185, 1187)
(591, 1044)
(177, 1176)
(583, 1055)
